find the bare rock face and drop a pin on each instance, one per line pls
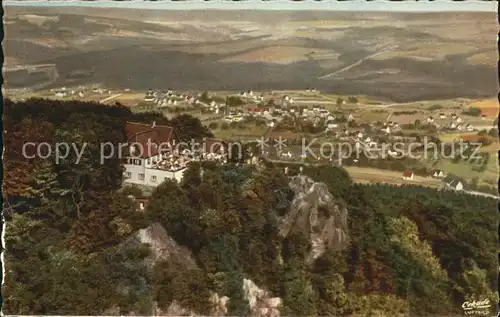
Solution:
(315, 213)
(261, 304)
(219, 305)
(219, 308)
(163, 247)
(174, 309)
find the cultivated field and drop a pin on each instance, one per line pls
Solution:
(393, 56)
(372, 175)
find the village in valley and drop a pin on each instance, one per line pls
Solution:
(280, 124)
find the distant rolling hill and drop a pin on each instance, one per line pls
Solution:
(251, 50)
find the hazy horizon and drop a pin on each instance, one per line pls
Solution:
(328, 5)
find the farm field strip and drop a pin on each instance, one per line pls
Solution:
(373, 175)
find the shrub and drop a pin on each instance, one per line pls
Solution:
(213, 126)
(472, 111)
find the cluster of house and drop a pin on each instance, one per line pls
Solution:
(81, 91)
(235, 116)
(168, 98)
(438, 174)
(154, 157)
(249, 94)
(312, 90)
(171, 98)
(272, 116)
(390, 126)
(253, 112)
(456, 122)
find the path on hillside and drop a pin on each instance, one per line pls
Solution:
(356, 63)
(471, 192)
(110, 98)
(388, 117)
(27, 67)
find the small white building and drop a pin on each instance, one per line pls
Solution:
(438, 174)
(455, 185)
(332, 125)
(408, 175)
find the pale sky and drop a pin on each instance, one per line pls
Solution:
(353, 5)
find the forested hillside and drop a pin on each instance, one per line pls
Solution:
(69, 226)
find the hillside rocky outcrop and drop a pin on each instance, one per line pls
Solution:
(315, 213)
(163, 248)
(260, 301)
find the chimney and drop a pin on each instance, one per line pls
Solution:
(154, 124)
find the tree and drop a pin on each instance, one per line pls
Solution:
(298, 294)
(340, 101)
(213, 126)
(493, 133)
(472, 111)
(171, 207)
(271, 103)
(189, 128)
(234, 101)
(189, 287)
(204, 97)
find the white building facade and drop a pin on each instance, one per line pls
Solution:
(146, 167)
(139, 174)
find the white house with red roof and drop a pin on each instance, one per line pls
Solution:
(150, 157)
(408, 175)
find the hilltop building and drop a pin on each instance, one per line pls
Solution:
(151, 155)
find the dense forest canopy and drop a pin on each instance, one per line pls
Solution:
(411, 249)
